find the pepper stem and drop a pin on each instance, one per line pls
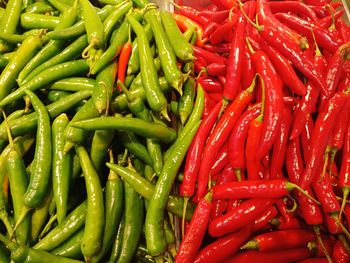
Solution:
(256, 25)
(317, 49)
(183, 216)
(238, 174)
(250, 245)
(47, 227)
(319, 239)
(346, 191)
(331, 11)
(326, 158)
(25, 211)
(290, 186)
(8, 243)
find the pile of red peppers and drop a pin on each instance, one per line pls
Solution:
(269, 167)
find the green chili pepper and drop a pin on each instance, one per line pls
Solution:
(12, 38)
(140, 3)
(110, 2)
(188, 33)
(26, 123)
(117, 244)
(73, 84)
(154, 231)
(103, 89)
(145, 188)
(52, 48)
(182, 48)
(186, 100)
(139, 127)
(99, 147)
(133, 224)
(78, 28)
(71, 52)
(41, 171)
(9, 25)
(38, 8)
(154, 94)
(71, 248)
(59, 5)
(5, 59)
(61, 166)
(114, 48)
(55, 95)
(165, 51)
(114, 208)
(31, 21)
(63, 70)
(138, 79)
(95, 218)
(8, 76)
(70, 225)
(4, 256)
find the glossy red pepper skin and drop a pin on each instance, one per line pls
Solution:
(221, 160)
(331, 224)
(211, 85)
(306, 137)
(280, 145)
(323, 37)
(276, 188)
(216, 69)
(344, 30)
(224, 247)
(210, 57)
(344, 175)
(248, 70)
(209, 29)
(193, 14)
(195, 231)
(185, 23)
(236, 142)
(314, 260)
(325, 194)
(220, 49)
(224, 4)
(336, 140)
(289, 49)
(326, 22)
(254, 167)
(194, 154)
(323, 126)
(218, 36)
(296, 7)
(234, 63)
(273, 101)
(281, 240)
(243, 215)
(219, 136)
(216, 16)
(340, 254)
(285, 256)
(264, 219)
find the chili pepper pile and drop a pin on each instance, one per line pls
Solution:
(99, 106)
(269, 166)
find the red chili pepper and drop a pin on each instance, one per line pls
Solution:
(316, 2)
(248, 70)
(283, 224)
(225, 4)
(283, 68)
(280, 145)
(325, 194)
(216, 69)
(276, 188)
(335, 67)
(210, 57)
(236, 142)
(340, 254)
(216, 16)
(296, 7)
(273, 104)
(344, 30)
(220, 135)
(217, 96)
(194, 154)
(285, 256)
(280, 240)
(289, 49)
(211, 85)
(123, 62)
(234, 63)
(218, 36)
(209, 29)
(191, 13)
(255, 170)
(224, 247)
(243, 215)
(322, 10)
(327, 22)
(331, 222)
(344, 175)
(306, 137)
(221, 160)
(194, 235)
(264, 218)
(314, 260)
(221, 49)
(322, 129)
(185, 23)
(323, 37)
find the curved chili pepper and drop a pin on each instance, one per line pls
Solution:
(185, 23)
(248, 70)
(221, 31)
(211, 85)
(216, 69)
(210, 57)
(265, 218)
(299, 8)
(234, 64)
(340, 254)
(239, 217)
(273, 101)
(216, 16)
(331, 223)
(224, 4)
(344, 175)
(221, 161)
(222, 48)
(191, 13)
(322, 129)
(280, 145)
(194, 154)
(280, 240)
(209, 29)
(327, 21)
(123, 61)
(306, 137)
(237, 139)
(193, 238)
(219, 136)
(223, 247)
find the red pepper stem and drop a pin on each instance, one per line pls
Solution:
(183, 217)
(319, 239)
(251, 245)
(346, 191)
(256, 25)
(290, 186)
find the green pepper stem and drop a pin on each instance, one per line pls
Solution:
(290, 186)
(8, 243)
